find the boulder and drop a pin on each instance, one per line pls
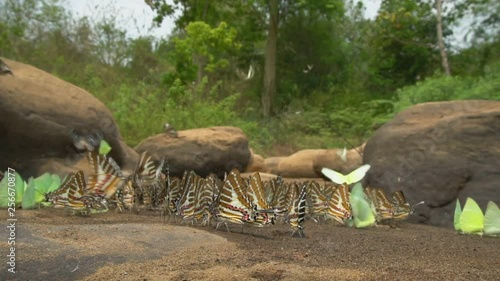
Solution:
(299, 164)
(37, 111)
(256, 163)
(272, 164)
(331, 159)
(438, 152)
(207, 150)
(267, 177)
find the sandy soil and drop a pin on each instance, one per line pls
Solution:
(54, 245)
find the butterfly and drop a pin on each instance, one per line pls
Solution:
(187, 201)
(362, 211)
(205, 199)
(472, 218)
(456, 218)
(351, 178)
(106, 178)
(297, 209)
(383, 208)
(317, 200)
(59, 197)
(77, 200)
(339, 207)
(255, 191)
(402, 208)
(492, 219)
(234, 205)
(145, 179)
(343, 154)
(104, 147)
(86, 142)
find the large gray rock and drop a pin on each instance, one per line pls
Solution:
(439, 152)
(37, 111)
(206, 150)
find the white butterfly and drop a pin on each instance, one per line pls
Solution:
(351, 178)
(343, 154)
(250, 74)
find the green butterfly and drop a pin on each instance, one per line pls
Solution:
(361, 208)
(19, 187)
(492, 220)
(351, 178)
(30, 194)
(458, 213)
(472, 218)
(104, 148)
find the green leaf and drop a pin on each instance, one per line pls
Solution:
(104, 148)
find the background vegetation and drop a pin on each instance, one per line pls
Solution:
(322, 73)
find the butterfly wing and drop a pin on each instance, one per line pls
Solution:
(492, 219)
(334, 176)
(29, 195)
(456, 218)
(362, 212)
(472, 218)
(104, 147)
(357, 174)
(357, 191)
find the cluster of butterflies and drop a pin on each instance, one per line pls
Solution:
(235, 199)
(362, 207)
(471, 219)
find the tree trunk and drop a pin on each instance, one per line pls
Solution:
(442, 48)
(270, 63)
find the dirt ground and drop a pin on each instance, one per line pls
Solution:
(54, 245)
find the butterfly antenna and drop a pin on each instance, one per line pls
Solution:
(414, 206)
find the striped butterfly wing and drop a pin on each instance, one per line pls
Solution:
(76, 192)
(384, 208)
(402, 208)
(174, 193)
(318, 203)
(255, 192)
(270, 191)
(233, 204)
(371, 197)
(204, 199)
(158, 189)
(185, 206)
(339, 207)
(146, 170)
(144, 178)
(107, 176)
(59, 197)
(125, 196)
(297, 208)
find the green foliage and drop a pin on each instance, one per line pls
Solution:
(194, 77)
(444, 88)
(142, 111)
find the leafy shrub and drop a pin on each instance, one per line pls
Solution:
(448, 88)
